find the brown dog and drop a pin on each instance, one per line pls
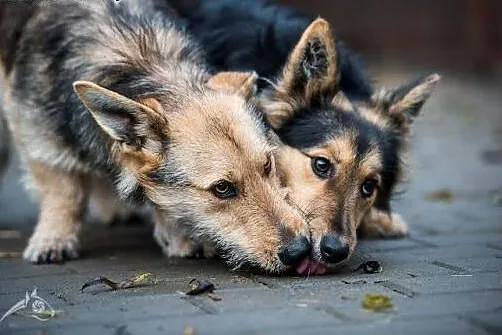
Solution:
(341, 159)
(116, 94)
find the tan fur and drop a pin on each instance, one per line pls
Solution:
(62, 198)
(243, 84)
(175, 242)
(341, 102)
(380, 224)
(370, 165)
(373, 115)
(106, 205)
(340, 150)
(416, 95)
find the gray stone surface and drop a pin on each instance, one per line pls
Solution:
(446, 278)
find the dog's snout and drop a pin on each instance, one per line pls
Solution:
(295, 251)
(333, 250)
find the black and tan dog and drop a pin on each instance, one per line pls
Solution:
(113, 93)
(341, 157)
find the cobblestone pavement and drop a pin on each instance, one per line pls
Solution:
(446, 278)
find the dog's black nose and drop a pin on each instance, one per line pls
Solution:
(333, 250)
(295, 251)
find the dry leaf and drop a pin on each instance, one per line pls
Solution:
(444, 195)
(189, 331)
(370, 267)
(199, 286)
(376, 302)
(127, 283)
(10, 254)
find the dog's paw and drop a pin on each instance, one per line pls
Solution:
(398, 227)
(174, 245)
(57, 249)
(379, 224)
(179, 246)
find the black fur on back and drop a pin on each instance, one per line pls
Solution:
(256, 35)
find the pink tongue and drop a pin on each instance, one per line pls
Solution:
(309, 266)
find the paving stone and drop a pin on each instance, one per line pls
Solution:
(491, 321)
(247, 323)
(428, 326)
(452, 283)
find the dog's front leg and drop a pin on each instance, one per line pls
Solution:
(109, 209)
(381, 224)
(62, 197)
(176, 242)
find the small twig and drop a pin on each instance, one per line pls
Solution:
(127, 283)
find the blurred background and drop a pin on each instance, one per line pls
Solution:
(464, 35)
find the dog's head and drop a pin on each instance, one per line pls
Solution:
(341, 159)
(203, 157)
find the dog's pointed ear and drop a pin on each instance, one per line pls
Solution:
(124, 120)
(312, 66)
(404, 103)
(242, 83)
(310, 76)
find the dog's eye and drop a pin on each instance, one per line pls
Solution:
(321, 167)
(368, 188)
(224, 190)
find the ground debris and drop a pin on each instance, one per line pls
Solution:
(42, 314)
(189, 330)
(444, 195)
(10, 254)
(198, 287)
(370, 267)
(355, 282)
(376, 302)
(127, 283)
(214, 297)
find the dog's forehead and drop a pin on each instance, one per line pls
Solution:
(234, 125)
(359, 136)
(221, 139)
(314, 127)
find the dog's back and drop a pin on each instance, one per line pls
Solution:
(256, 35)
(111, 45)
